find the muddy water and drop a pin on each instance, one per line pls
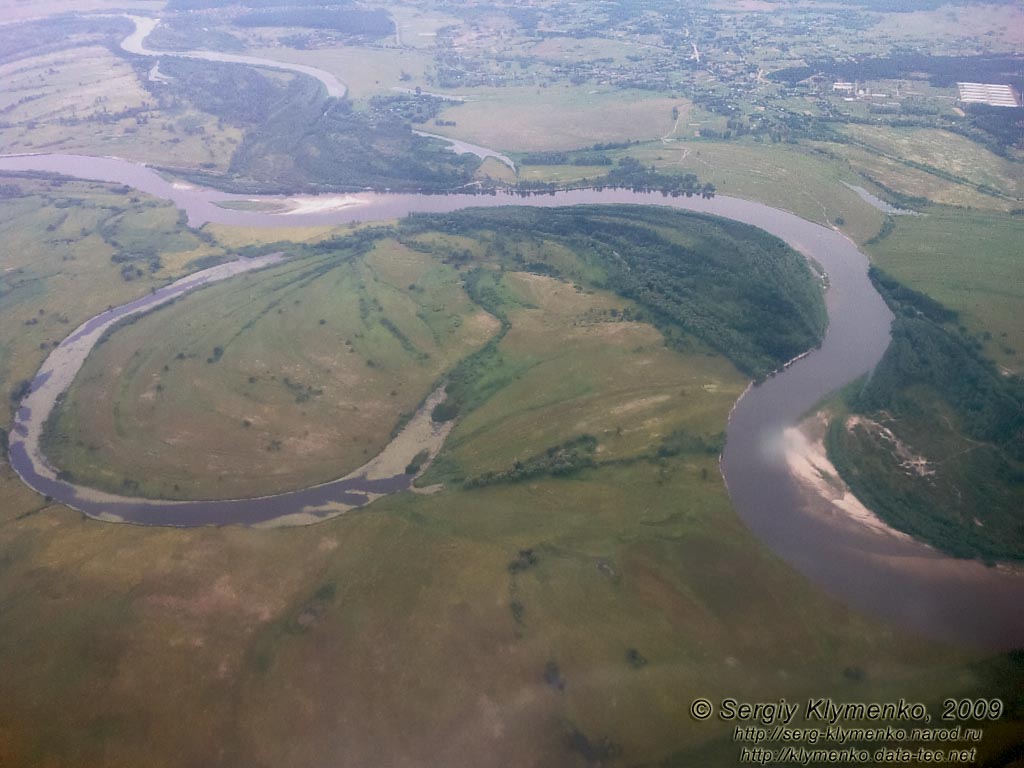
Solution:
(904, 581)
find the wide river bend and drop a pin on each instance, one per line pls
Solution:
(907, 582)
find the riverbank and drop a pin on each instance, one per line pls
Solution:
(382, 475)
(804, 448)
(958, 600)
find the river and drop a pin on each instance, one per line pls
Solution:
(902, 580)
(384, 474)
(135, 44)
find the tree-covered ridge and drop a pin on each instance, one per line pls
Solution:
(939, 452)
(738, 289)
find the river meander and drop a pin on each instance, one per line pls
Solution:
(907, 582)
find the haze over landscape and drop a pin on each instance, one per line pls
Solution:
(486, 383)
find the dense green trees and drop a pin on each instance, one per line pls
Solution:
(942, 402)
(741, 291)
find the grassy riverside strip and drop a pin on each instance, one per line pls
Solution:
(301, 373)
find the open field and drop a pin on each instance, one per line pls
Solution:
(524, 119)
(167, 647)
(55, 262)
(286, 647)
(970, 262)
(367, 71)
(591, 375)
(793, 179)
(495, 169)
(563, 49)
(914, 182)
(89, 101)
(291, 378)
(418, 26)
(20, 10)
(1001, 25)
(239, 237)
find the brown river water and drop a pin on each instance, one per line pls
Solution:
(901, 580)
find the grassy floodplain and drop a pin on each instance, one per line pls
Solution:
(59, 236)
(323, 642)
(956, 155)
(366, 71)
(934, 165)
(593, 375)
(85, 99)
(300, 374)
(788, 177)
(293, 378)
(546, 622)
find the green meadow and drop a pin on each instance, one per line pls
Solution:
(969, 261)
(561, 619)
(283, 379)
(569, 574)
